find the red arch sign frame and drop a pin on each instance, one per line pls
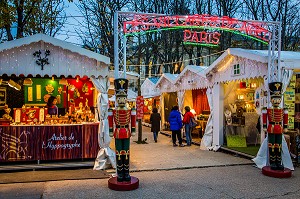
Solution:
(146, 22)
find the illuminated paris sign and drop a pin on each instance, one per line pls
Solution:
(201, 38)
(141, 23)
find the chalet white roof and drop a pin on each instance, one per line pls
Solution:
(170, 77)
(56, 42)
(192, 77)
(287, 58)
(200, 70)
(148, 88)
(21, 57)
(166, 82)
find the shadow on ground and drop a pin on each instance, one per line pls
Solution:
(57, 175)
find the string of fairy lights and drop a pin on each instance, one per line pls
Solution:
(176, 62)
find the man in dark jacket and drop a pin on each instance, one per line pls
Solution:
(176, 125)
(155, 123)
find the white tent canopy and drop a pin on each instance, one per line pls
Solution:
(16, 57)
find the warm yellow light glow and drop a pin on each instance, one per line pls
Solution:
(241, 97)
(27, 82)
(226, 64)
(253, 85)
(193, 111)
(63, 81)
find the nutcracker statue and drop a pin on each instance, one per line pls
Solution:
(277, 124)
(125, 122)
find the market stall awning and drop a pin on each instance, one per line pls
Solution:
(42, 55)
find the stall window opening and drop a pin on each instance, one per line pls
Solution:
(236, 69)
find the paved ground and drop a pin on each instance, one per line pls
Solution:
(170, 172)
(162, 155)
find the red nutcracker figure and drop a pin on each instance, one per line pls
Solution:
(277, 119)
(124, 119)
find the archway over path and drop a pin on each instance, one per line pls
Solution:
(128, 23)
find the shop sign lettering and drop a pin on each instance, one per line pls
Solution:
(52, 144)
(201, 37)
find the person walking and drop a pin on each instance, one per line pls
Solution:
(176, 125)
(186, 121)
(155, 123)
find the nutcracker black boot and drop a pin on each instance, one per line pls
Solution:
(120, 169)
(272, 155)
(278, 158)
(127, 177)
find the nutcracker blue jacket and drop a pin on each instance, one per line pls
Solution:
(175, 120)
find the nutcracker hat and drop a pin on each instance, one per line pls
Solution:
(121, 86)
(275, 89)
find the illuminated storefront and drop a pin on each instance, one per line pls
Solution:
(41, 66)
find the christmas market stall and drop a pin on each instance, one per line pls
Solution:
(192, 86)
(239, 94)
(35, 71)
(151, 96)
(168, 97)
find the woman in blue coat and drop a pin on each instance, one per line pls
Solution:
(176, 125)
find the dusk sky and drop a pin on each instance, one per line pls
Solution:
(68, 32)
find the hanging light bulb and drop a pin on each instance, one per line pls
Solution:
(27, 82)
(63, 81)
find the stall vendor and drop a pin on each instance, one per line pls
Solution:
(51, 105)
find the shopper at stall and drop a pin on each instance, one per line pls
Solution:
(186, 121)
(155, 123)
(51, 105)
(176, 125)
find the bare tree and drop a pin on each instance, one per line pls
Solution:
(97, 31)
(49, 18)
(29, 17)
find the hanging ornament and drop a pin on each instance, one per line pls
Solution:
(76, 94)
(85, 88)
(49, 88)
(59, 90)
